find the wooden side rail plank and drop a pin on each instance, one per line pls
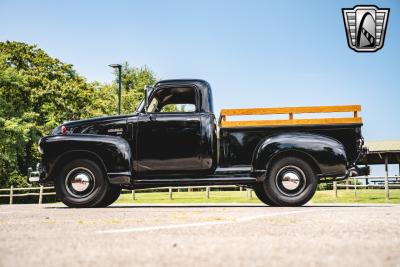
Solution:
(290, 122)
(291, 110)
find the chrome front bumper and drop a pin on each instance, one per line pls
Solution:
(34, 176)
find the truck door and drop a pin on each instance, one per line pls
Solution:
(169, 134)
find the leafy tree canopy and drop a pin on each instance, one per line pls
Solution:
(39, 92)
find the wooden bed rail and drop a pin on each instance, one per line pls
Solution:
(291, 111)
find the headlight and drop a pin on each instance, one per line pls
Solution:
(39, 146)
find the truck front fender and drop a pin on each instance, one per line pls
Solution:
(326, 155)
(112, 153)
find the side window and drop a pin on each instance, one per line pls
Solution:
(173, 100)
(179, 108)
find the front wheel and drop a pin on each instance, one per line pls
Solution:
(112, 195)
(81, 184)
(291, 182)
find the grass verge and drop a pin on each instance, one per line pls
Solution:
(189, 197)
(344, 196)
(360, 196)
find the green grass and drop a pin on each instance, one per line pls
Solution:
(189, 197)
(362, 196)
(344, 196)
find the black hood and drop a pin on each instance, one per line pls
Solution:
(98, 125)
(96, 120)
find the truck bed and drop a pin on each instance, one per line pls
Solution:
(290, 111)
(239, 138)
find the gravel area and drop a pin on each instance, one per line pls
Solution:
(200, 235)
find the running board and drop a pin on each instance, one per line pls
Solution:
(221, 176)
(231, 172)
(197, 180)
(194, 181)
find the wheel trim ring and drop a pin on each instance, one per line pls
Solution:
(301, 181)
(74, 173)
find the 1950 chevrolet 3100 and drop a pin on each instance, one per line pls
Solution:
(90, 161)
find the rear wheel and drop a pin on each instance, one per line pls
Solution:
(81, 184)
(260, 193)
(291, 182)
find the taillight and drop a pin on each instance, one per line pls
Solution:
(64, 130)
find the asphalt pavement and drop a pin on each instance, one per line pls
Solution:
(200, 235)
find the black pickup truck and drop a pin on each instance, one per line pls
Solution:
(173, 139)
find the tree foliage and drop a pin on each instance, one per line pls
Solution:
(133, 82)
(39, 92)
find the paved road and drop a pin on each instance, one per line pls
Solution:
(200, 235)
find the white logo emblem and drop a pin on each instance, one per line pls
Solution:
(366, 27)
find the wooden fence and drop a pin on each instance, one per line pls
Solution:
(206, 189)
(12, 192)
(41, 193)
(386, 185)
(249, 192)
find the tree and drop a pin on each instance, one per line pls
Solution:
(39, 92)
(50, 89)
(133, 82)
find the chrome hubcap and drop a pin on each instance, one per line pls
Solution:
(290, 180)
(79, 182)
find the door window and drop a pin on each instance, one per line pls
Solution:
(179, 108)
(173, 100)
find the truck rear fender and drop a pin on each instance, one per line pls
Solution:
(112, 153)
(326, 155)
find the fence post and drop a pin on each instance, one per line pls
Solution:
(251, 193)
(335, 189)
(133, 195)
(386, 178)
(207, 192)
(170, 192)
(347, 184)
(11, 194)
(40, 194)
(355, 189)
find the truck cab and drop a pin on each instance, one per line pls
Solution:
(176, 134)
(173, 138)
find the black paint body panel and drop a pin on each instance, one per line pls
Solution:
(111, 152)
(327, 155)
(161, 148)
(175, 144)
(331, 148)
